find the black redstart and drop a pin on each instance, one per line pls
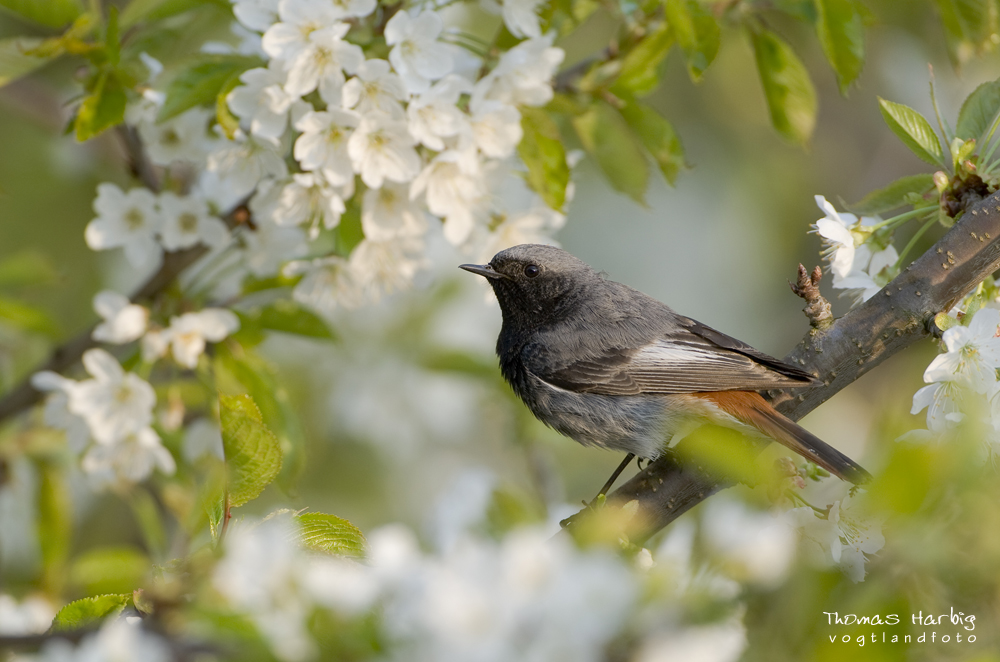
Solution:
(611, 367)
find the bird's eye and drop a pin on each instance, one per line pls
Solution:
(531, 270)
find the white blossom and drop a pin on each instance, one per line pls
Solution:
(309, 200)
(262, 102)
(57, 413)
(942, 401)
(521, 17)
(382, 149)
(327, 284)
(130, 220)
(389, 212)
(848, 535)
(452, 193)
(973, 354)
(245, 161)
(114, 403)
(383, 267)
(323, 143)
(181, 138)
(32, 616)
(433, 115)
(357, 8)
(375, 89)
(321, 63)
(496, 128)
(535, 226)
(188, 333)
(269, 246)
(257, 15)
(187, 222)
(417, 56)
(752, 546)
(524, 74)
(123, 322)
(118, 640)
(289, 37)
(131, 459)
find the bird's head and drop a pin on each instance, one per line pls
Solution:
(535, 283)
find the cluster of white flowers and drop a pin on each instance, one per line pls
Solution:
(145, 224)
(411, 134)
(962, 380)
(526, 597)
(858, 264)
(115, 408)
(845, 534)
(119, 639)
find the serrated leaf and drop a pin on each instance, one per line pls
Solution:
(697, 33)
(542, 151)
(331, 534)
(608, 138)
(658, 137)
(913, 129)
(199, 83)
(52, 13)
(841, 33)
(258, 378)
(102, 109)
(791, 98)
(89, 612)
(253, 456)
(640, 68)
(15, 60)
(27, 268)
(894, 195)
(978, 111)
(28, 318)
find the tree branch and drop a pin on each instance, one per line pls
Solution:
(65, 356)
(895, 318)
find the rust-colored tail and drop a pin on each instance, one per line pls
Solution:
(750, 408)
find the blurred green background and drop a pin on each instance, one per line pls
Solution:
(409, 396)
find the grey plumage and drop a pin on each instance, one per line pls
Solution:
(612, 367)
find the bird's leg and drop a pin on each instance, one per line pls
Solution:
(611, 481)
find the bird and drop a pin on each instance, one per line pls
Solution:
(609, 366)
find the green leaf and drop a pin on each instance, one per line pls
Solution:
(15, 60)
(89, 612)
(542, 151)
(51, 13)
(791, 98)
(288, 316)
(915, 131)
(894, 195)
(110, 569)
(970, 27)
(27, 268)
(841, 32)
(253, 456)
(199, 83)
(658, 136)
(102, 109)
(606, 136)
(978, 111)
(28, 318)
(696, 32)
(331, 534)
(155, 10)
(640, 68)
(258, 378)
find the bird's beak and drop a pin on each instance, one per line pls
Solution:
(484, 270)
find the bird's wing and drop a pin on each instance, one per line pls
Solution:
(692, 358)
